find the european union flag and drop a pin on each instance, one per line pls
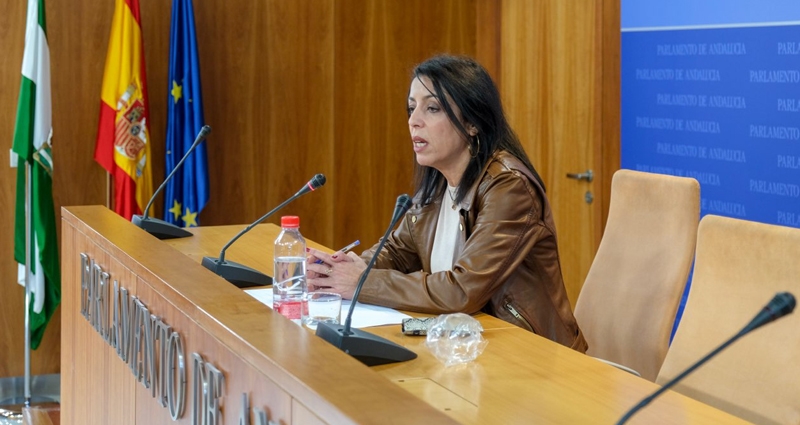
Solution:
(187, 193)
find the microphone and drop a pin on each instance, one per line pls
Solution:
(243, 276)
(782, 304)
(160, 228)
(369, 349)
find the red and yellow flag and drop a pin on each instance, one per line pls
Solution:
(123, 147)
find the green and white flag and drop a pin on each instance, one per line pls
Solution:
(33, 134)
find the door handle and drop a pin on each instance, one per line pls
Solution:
(588, 176)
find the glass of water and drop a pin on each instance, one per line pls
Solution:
(323, 307)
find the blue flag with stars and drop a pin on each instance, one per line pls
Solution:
(187, 193)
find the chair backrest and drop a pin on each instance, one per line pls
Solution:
(627, 306)
(740, 266)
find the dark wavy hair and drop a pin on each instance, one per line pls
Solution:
(472, 90)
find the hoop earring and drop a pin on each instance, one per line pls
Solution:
(474, 152)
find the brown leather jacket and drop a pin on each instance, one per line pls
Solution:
(506, 258)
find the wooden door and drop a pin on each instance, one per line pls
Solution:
(557, 79)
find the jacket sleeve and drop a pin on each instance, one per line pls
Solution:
(398, 253)
(507, 225)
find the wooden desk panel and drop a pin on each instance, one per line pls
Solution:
(520, 378)
(259, 352)
(89, 370)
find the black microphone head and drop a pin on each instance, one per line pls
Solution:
(783, 303)
(317, 181)
(204, 131)
(403, 202)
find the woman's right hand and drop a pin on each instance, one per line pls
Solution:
(336, 273)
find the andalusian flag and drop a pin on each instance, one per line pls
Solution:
(122, 137)
(33, 134)
(187, 192)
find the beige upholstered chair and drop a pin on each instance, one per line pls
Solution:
(628, 302)
(740, 266)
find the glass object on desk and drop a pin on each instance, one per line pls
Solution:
(323, 307)
(455, 338)
(289, 288)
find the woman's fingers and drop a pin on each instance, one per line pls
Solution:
(337, 273)
(319, 270)
(320, 256)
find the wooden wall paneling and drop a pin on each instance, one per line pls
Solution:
(234, 98)
(611, 100)
(12, 38)
(301, 120)
(268, 94)
(377, 44)
(488, 44)
(78, 34)
(551, 75)
(156, 19)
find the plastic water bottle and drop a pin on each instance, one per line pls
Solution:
(289, 288)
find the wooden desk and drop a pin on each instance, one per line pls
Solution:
(520, 378)
(282, 369)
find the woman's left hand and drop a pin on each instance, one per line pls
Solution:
(337, 273)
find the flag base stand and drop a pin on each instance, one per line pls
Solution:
(16, 408)
(47, 389)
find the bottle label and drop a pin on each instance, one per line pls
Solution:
(291, 309)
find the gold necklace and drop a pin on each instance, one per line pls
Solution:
(452, 194)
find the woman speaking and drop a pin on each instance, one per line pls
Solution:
(480, 235)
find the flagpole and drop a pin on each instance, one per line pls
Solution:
(28, 243)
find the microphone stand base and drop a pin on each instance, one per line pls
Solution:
(160, 228)
(237, 274)
(367, 348)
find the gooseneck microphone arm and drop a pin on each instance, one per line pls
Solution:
(160, 228)
(675, 380)
(365, 347)
(782, 304)
(204, 132)
(243, 276)
(403, 204)
(312, 185)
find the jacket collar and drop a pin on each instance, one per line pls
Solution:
(469, 198)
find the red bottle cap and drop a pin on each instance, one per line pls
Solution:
(291, 221)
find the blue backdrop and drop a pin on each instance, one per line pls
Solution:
(716, 96)
(711, 90)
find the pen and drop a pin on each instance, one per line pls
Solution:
(351, 246)
(345, 249)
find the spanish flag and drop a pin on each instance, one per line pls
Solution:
(123, 147)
